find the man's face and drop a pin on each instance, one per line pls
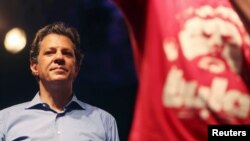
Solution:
(56, 60)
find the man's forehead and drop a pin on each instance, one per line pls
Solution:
(56, 41)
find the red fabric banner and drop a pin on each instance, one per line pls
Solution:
(192, 61)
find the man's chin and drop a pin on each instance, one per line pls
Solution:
(60, 79)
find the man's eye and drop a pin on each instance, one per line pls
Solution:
(48, 52)
(68, 54)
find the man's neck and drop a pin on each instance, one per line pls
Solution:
(55, 95)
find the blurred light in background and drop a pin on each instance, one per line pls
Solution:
(15, 40)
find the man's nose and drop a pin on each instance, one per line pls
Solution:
(59, 58)
(59, 55)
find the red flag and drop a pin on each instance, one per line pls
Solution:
(190, 58)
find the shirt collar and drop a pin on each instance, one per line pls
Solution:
(73, 104)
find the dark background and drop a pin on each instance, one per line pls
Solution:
(107, 78)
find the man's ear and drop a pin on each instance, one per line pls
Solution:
(77, 69)
(33, 68)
